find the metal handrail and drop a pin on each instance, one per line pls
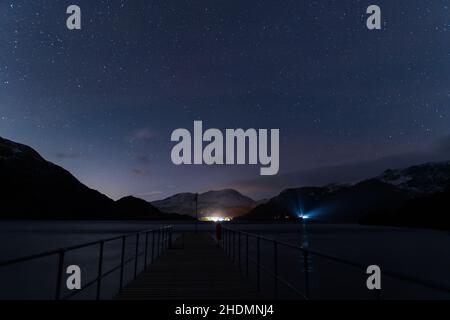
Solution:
(164, 241)
(228, 244)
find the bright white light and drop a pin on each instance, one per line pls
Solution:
(215, 219)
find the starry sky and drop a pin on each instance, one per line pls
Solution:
(102, 102)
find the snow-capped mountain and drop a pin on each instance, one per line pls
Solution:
(226, 203)
(349, 203)
(426, 178)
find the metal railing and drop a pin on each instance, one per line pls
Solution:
(232, 245)
(161, 240)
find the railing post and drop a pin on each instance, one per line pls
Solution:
(165, 239)
(275, 269)
(153, 245)
(230, 243)
(225, 241)
(246, 254)
(170, 237)
(162, 242)
(306, 270)
(239, 251)
(59, 274)
(234, 245)
(221, 243)
(122, 262)
(159, 243)
(146, 250)
(136, 255)
(225, 244)
(100, 268)
(258, 270)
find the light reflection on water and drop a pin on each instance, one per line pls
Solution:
(304, 242)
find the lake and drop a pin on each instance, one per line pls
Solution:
(422, 254)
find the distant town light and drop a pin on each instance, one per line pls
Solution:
(215, 219)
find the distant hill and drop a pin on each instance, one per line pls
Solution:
(228, 203)
(141, 209)
(289, 204)
(33, 188)
(383, 199)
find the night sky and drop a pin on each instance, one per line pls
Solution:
(102, 102)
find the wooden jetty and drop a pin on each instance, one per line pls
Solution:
(194, 268)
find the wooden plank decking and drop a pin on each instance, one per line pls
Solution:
(197, 270)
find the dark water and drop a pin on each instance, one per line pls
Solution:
(422, 254)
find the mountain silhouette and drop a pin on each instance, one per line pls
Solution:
(343, 204)
(34, 188)
(418, 196)
(227, 203)
(143, 209)
(393, 198)
(428, 178)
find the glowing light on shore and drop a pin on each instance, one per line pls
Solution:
(303, 216)
(215, 219)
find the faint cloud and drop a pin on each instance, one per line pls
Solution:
(142, 134)
(150, 193)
